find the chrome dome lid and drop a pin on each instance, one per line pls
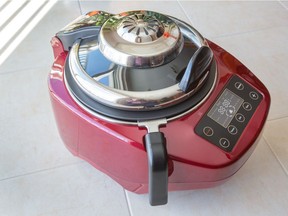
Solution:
(139, 88)
(141, 39)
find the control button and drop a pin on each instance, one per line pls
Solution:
(208, 131)
(247, 106)
(232, 129)
(240, 117)
(239, 85)
(230, 111)
(253, 95)
(224, 142)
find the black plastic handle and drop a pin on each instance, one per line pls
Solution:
(82, 27)
(198, 66)
(158, 168)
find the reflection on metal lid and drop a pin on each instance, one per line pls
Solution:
(140, 39)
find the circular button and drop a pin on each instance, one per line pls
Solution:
(208, 131)
(225, 143)
(239, 85)
(253, 95)
(230, 111)
(247, 106)
(232, 129)
(240, 117)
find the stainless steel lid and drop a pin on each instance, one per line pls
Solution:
(100, 68)
(140, 39)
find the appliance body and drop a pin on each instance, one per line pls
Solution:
(202, 151)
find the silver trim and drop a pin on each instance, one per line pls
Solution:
(121, 99)
(133, 100)
(117, 121)
(190, 32)
(152, 125)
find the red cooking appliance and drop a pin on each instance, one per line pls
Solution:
(115, 75)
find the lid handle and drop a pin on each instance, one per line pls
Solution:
(198, 66)
(84, 26)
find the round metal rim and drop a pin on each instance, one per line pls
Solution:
(100, 92)
(117, 121)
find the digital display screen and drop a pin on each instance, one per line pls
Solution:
(225, 108)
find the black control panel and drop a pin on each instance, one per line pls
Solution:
(227, 118)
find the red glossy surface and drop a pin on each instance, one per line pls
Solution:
(118, 150)
(57, 46)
